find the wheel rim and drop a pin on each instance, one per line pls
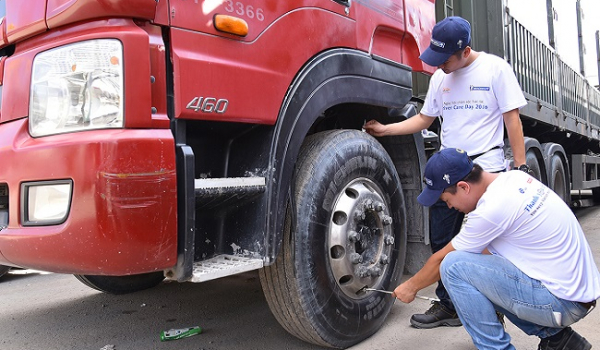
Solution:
(360, 237)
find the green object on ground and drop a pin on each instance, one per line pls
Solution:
(173, 334)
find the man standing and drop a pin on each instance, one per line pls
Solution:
(476, 94)
(522, 252)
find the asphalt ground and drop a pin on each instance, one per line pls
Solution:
(42, 311)
(397, 333)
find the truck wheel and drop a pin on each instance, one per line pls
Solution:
(558, 178)
(122, 284)
(4, 270)
(345, 229)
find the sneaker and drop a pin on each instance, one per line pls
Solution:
(570, 340)
(436, 316)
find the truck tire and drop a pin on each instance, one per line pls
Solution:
(3, 270)
(534, 165)
(345, 229)
(558, 178)
(122, 284)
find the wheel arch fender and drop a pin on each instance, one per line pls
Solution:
(330, 78)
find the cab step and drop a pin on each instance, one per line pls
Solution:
(223, 265)
(214, 192)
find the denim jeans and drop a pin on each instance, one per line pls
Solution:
(480, 284)
(444, 225)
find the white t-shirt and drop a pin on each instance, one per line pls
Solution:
(527, 223)
(471, 101)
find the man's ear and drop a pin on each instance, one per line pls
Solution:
(466, 51)
(463, 185)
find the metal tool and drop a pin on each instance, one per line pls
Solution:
(388, 292)
(377, 290)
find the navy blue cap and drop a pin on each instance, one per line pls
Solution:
(448, 36)
(444, 169)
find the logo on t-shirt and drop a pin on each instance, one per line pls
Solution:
(479, 88)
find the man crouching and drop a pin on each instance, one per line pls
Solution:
(521, 252)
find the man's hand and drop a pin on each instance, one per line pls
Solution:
(375, 128)
(404, 293)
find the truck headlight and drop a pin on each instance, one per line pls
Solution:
(77, 87)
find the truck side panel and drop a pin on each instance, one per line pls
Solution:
(256, 85)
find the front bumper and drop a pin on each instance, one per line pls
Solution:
(123, 212)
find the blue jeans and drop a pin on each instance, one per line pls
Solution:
(481, 284)
(444, 225)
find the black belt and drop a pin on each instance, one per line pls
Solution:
(480, 154)
(588, 305)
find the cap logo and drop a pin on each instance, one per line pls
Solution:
(459, 44)
(446, 178)
(428, 182)
(437, 43)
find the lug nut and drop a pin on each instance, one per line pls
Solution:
(379, 207)
(353, 236)
(362, 272)
(356, 258)
(384, 260)
(386, 219)
(389, 240)
(375, 271)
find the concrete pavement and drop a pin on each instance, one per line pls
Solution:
(397, 332)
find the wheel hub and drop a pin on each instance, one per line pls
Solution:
(360, 237)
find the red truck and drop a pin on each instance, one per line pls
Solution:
(190, 140)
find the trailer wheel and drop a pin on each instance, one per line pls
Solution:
(345, 229)
(122, 284)
(534, 165)
(558, 178)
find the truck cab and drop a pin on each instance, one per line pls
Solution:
(191, 140)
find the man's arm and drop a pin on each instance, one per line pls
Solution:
(409, 126)
(514, 128)
(427, 275)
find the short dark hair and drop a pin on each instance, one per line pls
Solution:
(458, 53)
(473, 177)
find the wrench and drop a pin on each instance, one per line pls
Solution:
(388, 292)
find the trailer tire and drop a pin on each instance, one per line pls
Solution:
(558, 178)
(596, 194)
(122, 284)
(345, 229)
(534, 165)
